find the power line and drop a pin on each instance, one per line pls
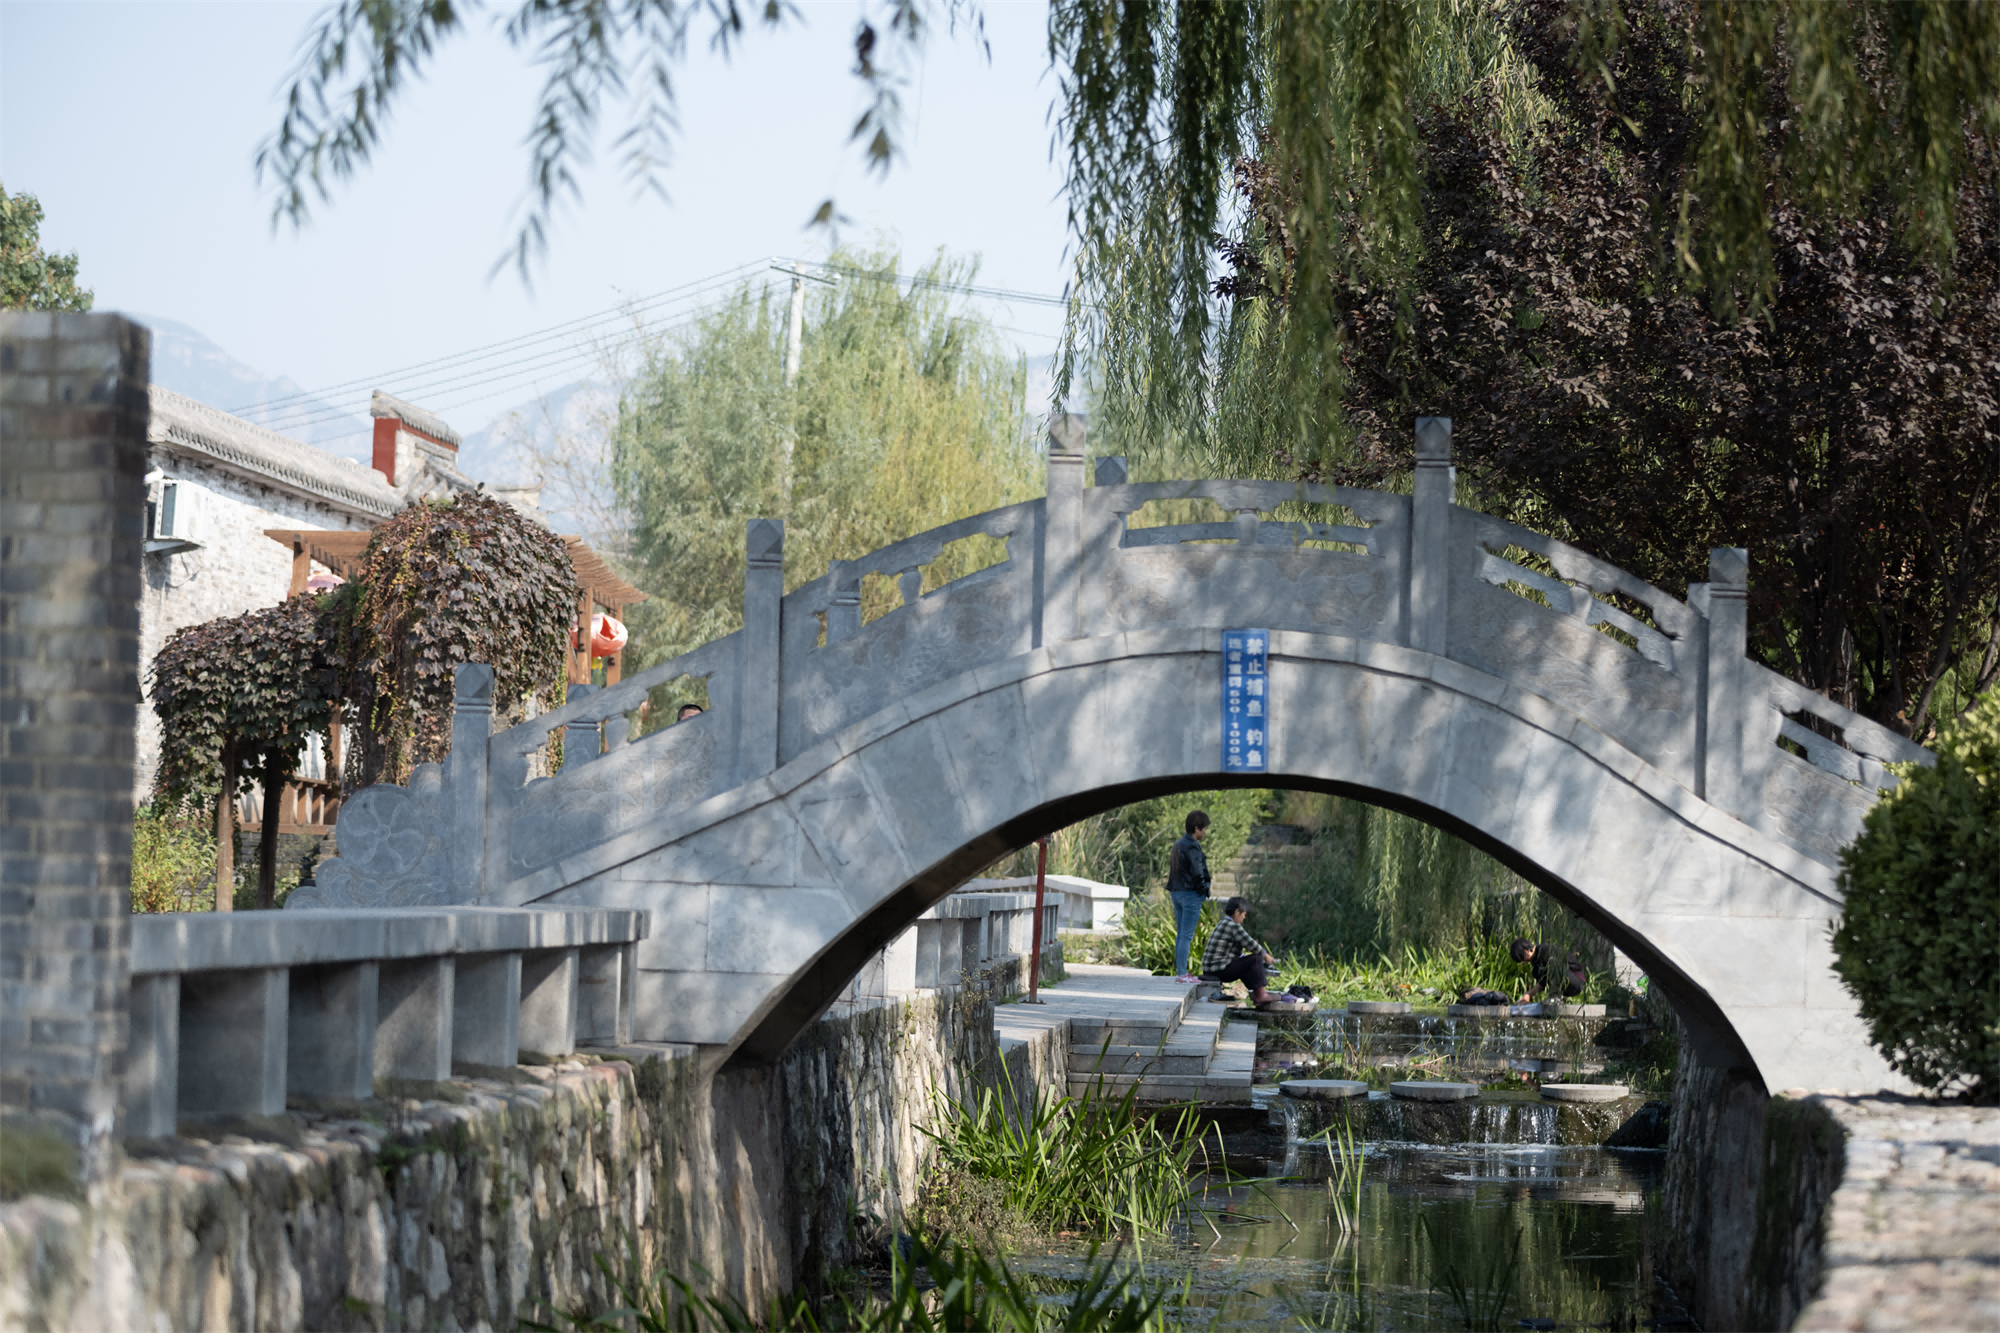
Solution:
(912, 280)
(452, 375)
(682, 292)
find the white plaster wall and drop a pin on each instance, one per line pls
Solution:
(237, 569)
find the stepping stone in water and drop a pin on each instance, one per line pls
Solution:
(1323, 1089)
(1377, 1007)
(1584, 1092)
(1427, 1091)
(1479, 1011)
(1574, 1010)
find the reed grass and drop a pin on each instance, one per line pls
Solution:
(934, 1287)
(1343, 1186)
(1479, 1279)
(1090, 1165)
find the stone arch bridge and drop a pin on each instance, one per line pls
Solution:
(1608, 740)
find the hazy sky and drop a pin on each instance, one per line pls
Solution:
(136, 125)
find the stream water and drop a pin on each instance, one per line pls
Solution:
(1502, 1212)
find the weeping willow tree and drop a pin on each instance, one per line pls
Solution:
(907, 413)
(1369, 881)
(1169, 109)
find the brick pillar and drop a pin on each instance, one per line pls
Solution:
(72, 457)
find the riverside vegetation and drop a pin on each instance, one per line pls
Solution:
(1065, 1167)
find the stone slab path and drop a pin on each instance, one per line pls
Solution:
(1126, 1027)
(1913, 1232)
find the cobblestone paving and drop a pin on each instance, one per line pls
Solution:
(1913, 1233)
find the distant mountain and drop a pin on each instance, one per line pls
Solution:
(556, 442)
(187, 361)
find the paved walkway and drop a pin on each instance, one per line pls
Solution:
(1126, 1026)
(1913, 1233)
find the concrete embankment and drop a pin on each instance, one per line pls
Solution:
(478, 1201)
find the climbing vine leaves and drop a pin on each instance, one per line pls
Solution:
(470, 580)
(254, 682)
(467, 580)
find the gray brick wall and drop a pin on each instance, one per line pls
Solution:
(72, 457)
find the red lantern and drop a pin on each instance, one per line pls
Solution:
(607, 636)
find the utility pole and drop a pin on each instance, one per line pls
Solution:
(795, 333)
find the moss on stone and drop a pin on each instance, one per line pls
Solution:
(36, 1159)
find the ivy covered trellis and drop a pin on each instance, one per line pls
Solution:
(238, 697)
(443, 582)
(469, 580)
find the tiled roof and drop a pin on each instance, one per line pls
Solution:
(419, 419)
(181, 421)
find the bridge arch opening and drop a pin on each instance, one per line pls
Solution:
(1714, 1039)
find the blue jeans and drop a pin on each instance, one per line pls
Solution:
(1187, 915)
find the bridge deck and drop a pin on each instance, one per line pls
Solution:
(1127, 1026)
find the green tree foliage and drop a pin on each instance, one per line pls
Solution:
(1599, 393)
(1129, 845)
(1824, 107)
(445, 582)
(173, 860)
(363, 54)
(237, 697)
(907, 414)
(1371, 883)
(1918, 943)
(29, 278)
(252, 686)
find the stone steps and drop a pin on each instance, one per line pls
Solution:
(1225, 1080)
(1130, 1030)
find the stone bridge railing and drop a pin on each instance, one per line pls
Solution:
(1667, 679)
(232, 1012)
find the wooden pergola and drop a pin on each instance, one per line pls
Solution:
(310, 805)
(602, 588)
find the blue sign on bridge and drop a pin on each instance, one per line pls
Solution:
(1246, 700)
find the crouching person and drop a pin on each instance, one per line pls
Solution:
(1232, 955)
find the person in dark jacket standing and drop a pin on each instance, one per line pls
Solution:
(1187, 888)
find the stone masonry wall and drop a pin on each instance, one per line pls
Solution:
(474, 1203)
(1824, 1211)
(73, 417)
(1715, 1163)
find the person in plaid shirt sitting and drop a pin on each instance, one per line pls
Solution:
(1231, 955)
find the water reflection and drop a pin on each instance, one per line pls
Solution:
(1472, 1235)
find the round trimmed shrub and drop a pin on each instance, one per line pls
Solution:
(1919, 942)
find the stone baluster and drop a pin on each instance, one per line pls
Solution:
(1430, 537)
(1062, 531)
(548, 1012)
(232, 1058)
(843, 613)
(759, 672)
(606, 976)
(1729, 778)
(153, 1057)
(414, 998)
(330, 1029)
(582, 740)
(1247, 523)
(486, 1008)
(467, 777)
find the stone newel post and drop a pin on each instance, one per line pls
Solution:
(73, 414)
(1430, 536)
(466, 778)
(1726, 769)
(1062, 531)
(763, 597)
